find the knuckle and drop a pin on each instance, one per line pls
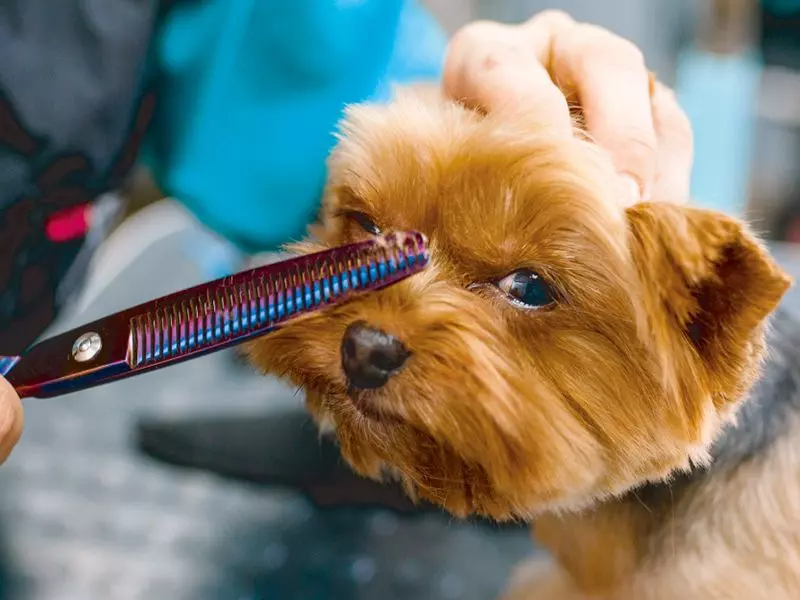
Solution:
(673, 118)
(625, 53)
(553, 18)
(640, 142)
(600, 45)
(477, 46)
(474, 34)
(497, 55)
(630, 52)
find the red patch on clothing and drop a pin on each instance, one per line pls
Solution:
(69, 224)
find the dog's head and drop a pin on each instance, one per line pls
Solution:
(559, 348)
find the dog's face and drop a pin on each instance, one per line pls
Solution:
(558, 349)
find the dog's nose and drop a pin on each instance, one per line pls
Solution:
(370, 356)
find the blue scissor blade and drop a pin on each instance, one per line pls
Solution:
(7, 363)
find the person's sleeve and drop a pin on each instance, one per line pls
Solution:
(250, 93)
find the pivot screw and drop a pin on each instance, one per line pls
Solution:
(86, 346)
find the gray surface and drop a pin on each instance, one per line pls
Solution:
(83, 517)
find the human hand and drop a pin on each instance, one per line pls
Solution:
(550, 61)
(11, 419)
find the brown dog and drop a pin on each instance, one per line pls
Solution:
(564, 360)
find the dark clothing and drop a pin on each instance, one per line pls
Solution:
(71, 122)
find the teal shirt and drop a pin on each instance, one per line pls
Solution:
(249, 94)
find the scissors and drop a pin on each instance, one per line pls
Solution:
(212, 316)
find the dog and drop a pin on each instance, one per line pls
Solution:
(565, 360)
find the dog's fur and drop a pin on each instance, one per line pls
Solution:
(609, 420)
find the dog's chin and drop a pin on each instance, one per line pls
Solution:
(463, 465)
(377, 440)
(366, 411)
(368, 404)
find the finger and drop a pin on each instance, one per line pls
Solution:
(675, 147)
(11, 419)
(541, 29)
(493, 67)
(611, 80)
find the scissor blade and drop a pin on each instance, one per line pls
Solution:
(213, 316)
(7, 363)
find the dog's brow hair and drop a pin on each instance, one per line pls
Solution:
(349, 197)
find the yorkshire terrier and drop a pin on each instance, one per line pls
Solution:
(564, 360)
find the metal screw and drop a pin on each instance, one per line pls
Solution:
(86, 346)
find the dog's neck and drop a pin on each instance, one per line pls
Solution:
(607, 543)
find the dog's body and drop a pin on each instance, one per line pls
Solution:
(560, 359)
(727, 531)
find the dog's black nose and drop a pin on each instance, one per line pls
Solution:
(370, 356)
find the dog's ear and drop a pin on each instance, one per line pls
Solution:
(710, 280)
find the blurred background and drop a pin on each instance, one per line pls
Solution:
(102, 500)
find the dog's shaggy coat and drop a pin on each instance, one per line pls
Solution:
(615, 418)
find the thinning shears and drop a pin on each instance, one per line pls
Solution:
(212, 316)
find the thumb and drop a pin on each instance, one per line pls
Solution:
(11, 419)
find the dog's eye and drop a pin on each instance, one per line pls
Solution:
(527, 289)
(364, 222)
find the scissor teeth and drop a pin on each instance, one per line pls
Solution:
(239, 307)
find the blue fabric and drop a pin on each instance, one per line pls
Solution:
(249, 94)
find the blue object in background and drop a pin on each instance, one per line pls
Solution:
(720, 96)
(249, 95)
